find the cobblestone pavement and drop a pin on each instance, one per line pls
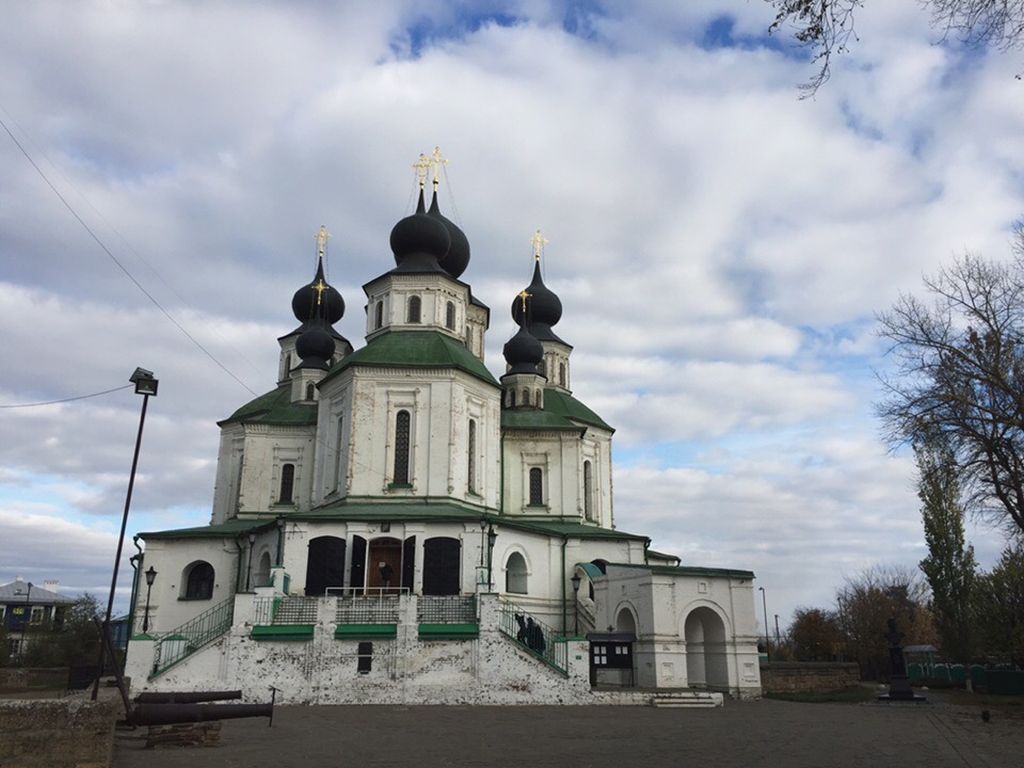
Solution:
(762, 733)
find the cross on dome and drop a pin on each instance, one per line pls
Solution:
(523, 296)
(422, 167)
(538, 241)
(437, 162)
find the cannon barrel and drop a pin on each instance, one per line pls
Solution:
(186, 697)
(167, 714)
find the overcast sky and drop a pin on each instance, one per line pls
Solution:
(720, 246)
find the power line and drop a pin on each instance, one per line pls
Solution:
(67, 399)
(121, 266)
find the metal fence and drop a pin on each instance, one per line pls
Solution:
(446, 609)
(285, 610)
(534, 636)
(185, 640)
(367, 609)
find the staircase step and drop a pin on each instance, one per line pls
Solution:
(687, 700)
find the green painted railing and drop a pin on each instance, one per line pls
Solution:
(181, 642)
(535, 637)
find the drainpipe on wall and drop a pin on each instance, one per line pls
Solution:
(238, 567)
(136, 561)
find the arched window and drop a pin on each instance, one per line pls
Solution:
(542, 368)
(561, 374)
(449, 316)
(287, 365)
(471, 464)
(515, 574)
(337, 453)
(310, 391)
(402, 422)
(511, 398)
(412, 314)
(378, 316)
(199, 581)
(262, 578)
(536, 487)
(588, 491)
(526, 396)
(287, 484)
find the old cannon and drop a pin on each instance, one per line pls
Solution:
(185, 697)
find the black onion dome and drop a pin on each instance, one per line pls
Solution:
(545, 308)
(457, 258)
(304, 302)
(419, 242)
(315, 346)
(523, 352)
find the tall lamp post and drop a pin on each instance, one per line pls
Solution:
(491, 536)
(576, 604)
(145, 385)
(767, 642)
(150, 578)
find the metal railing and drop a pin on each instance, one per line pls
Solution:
(279, 611)
(181, 642)
(380, 608)
(446, 609)
(535, 637)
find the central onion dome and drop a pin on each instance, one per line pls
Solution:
(457, 258)
(304, 302)
(545, 308)
(419, 241)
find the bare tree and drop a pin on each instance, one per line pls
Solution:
(826, 26)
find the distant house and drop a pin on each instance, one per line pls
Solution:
(26, 608)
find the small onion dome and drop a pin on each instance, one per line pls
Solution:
(523, 352)
(315, 346)
(419, 242)
(545, 308)
(304, 302)
(457, 258)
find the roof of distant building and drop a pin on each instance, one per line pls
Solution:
(18, 592)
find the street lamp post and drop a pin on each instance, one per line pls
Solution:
(248, 570)
(767, 642)
(145, 385)
(576, 604)
(491, 536)
(150, 578)
(778, 641)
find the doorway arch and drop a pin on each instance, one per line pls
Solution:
(325, 564)
(707, 663)
(442, 566)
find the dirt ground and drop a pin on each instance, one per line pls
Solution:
(761, 733)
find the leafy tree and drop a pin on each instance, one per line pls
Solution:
(999, 602)
(867, 601)
(959, 376)
(75, 641)
(950, 566)
(826, 26)
(815, 635)
(5, 651)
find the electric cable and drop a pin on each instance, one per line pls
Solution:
(67, 399)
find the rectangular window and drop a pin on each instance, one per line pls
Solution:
(337, 454)
(471, 450)
(402, 424)
(364, 663)
(536, 487)
(37, 614)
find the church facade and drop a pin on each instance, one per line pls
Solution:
(394, 523)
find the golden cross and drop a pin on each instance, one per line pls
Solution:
(538, 241)
(436, 162)
(321, 241)
(523, 297)
(422, 168)
(320, 286)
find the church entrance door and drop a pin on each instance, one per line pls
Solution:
(442, 566)
(385, 565)
(325, 564)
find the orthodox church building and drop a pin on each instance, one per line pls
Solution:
(394, 524)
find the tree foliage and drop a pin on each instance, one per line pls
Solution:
(815, 635)
(960, 375)
(999, 607)
(950, 566)
(826, 26)
(75, 642)
(864, 605)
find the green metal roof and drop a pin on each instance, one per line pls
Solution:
(567, 406)
(415, 349)
(275, 407)
(688, 570)
(531, 418)
(226, 530)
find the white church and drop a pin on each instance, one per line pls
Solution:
(393, 524)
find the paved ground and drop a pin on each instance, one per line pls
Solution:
(763, 733)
